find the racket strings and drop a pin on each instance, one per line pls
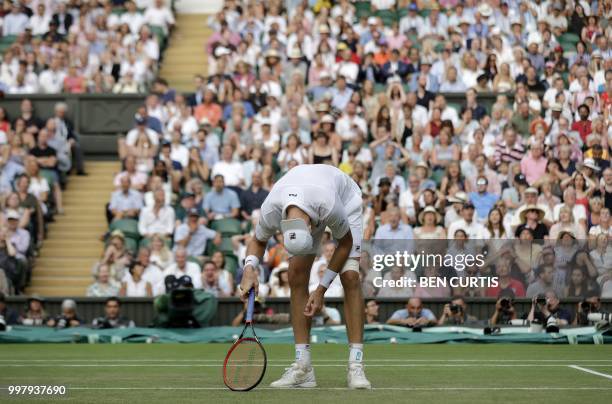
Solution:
(245, 365)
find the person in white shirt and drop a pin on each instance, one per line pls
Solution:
(132, 17)
(473, 229)
(350, 123)
(579, 211)
(182, 267)
(51, 80)
(156, 219)
(159, 16)
(302, 204)
(39, 21)
(231, 170)
(15, 22)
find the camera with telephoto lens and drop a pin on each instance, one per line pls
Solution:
(455, 308)
(505, 304)
(586, 307)
(541, 300)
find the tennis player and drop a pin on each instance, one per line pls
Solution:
(305, 201)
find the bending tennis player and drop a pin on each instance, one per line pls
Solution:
(302, 204)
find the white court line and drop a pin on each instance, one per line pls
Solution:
(607, 376)
(535, 388)
(343, 365)
(317, 360)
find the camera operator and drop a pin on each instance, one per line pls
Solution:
(112, 316)
(590, 304)
(504, 309)
(68, 318)
(455, 313)
(547, 306)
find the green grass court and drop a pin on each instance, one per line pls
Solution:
(134, 373)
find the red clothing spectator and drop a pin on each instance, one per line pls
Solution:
(583, 128)
(517, 288)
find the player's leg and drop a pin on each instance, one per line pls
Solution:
(354, 313)
(300, 373)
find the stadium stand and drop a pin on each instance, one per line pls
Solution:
(460, 121)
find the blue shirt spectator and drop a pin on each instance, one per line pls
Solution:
(220, 201)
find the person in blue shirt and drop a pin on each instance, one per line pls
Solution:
(221, 202)
(414, 315)
(482, 200)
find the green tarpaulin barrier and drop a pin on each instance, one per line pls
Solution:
(383, 334)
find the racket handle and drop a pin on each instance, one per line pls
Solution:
(250, 306)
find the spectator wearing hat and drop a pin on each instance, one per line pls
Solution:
(194, 236)
(35, 314)
(68, 318)
(532, 217)
(453, 212)
(429, 218)
(473, 229)
(112, 317)
(482, 200)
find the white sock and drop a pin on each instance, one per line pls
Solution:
(302, 354)
(355, 353)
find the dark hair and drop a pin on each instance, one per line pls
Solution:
(112, 299)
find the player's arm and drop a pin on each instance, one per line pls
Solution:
(254, 253)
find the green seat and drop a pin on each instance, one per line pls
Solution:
(402, 12)
(569, 37)
(159, 33)
(49, 176)
(195, 261)
(388, 17)
(380, 88)
(131, 245)
(129, 228)
(424, 12)
(227, 227)
(231, 264)
(363, 9)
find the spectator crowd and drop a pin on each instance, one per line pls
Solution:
(479, 123)
(484, 125)
(81, 46)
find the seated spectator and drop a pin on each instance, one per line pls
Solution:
(399, 289)
(279, 285)
(544, 283)
(231, 171)
(505, 281)
(182, 267)
(160, 255)
(116, 255)
(68, 318)
(221, 202)
(371, 312)
(35, 314)
(125, 202)
(156, 219)
(194, 236)
(104, 285)
(112, 316)
(414, 315)
(134, 284)
(252, 198)
(326, 316)
(455, 313)
(217, 281)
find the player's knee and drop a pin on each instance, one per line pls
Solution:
(350, 280)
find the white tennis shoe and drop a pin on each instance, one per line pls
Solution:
(297, 375)
(356, 377)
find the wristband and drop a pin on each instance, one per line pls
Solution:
(328, 278)
(252, 261)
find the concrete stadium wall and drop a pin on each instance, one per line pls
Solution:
(141, 309)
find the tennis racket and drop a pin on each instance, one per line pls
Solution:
(246, 361)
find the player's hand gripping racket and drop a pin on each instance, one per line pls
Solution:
(245, 363)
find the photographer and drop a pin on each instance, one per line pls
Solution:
(68, 318)
(590, 304)
(112, 317)
(547, 306)
(504, 310)
(35, 314)
(455, 313)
